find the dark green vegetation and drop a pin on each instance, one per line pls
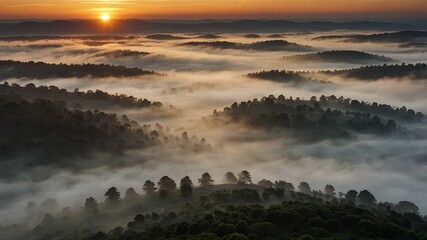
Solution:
(122, 54)
(236, 210)
(288, 77)
(371, 73)
(40, 70)
(46, 133)
(340, 56)
(79, 99)
(392, 37)
(312, 121)
(271, 45)
(252, 36)
(164, 37)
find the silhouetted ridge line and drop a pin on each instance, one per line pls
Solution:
(40, 70)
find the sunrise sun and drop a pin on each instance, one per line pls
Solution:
(105, 17)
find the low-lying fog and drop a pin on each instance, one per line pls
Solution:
(199, 80)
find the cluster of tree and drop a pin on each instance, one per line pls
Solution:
(421, 45)
(167, 204)
(122, 54)
(288, 77)
(40, 70)
(371, 73)
(341, 56)
(242, 214)
(164, 37)
(46, 133)
(310, 119)
(402, 36)
(190, 88)
(271, 45)
(78, 99)
(210, 36)
(252, 36)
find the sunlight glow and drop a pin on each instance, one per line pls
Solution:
(105, 17)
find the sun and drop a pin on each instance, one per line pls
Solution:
(105, 17)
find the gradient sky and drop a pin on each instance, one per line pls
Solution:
(190, 9)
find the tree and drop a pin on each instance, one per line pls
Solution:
(166, 183)
(112, 196)
(407, 207)
(330, 190)
(230, 178)
(149, 187)
(186, 186)
(351, 196)
(206, 180)
(244, 177)
(304, 187)
(91, 205)
(366, 198)
(265, 183)
(163, 193)
(131, 194)
(284, 185)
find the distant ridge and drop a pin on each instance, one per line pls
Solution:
(154, 26)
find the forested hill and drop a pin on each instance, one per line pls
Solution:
(81, 100)
(238, 209)
(40, 70)
(309, 120)
(287, 77)
(376, 72)
(46, 133)
(398, 37)
(340, 56)
(271, 45)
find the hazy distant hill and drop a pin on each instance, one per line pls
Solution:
(271, 45)
(341, 56)
(288, 77)
(155, 26)
(399, 37)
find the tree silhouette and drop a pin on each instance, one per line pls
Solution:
(166, 183)
(112, 196)
(131, 194)
(244, 177)
(91, 205)
(230, 178)
(351, 196)
(284, 185)
(149, 187)
(206, 180)
(330, 190)
(366, 198)
(265, 183)
(304, 187)
(407, 207)
(186, 186)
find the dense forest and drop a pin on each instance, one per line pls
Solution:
(307, 120)
(371, 73)
(238, 209)
(40, 70)
(288, 77)
(164, 37)
(122, 54)
(399, 37)
(81, 100)
(338, 56)
(55, 136)
(271, 45)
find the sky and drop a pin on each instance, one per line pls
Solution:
(193, 9)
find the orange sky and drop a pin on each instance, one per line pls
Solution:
(186, 9)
